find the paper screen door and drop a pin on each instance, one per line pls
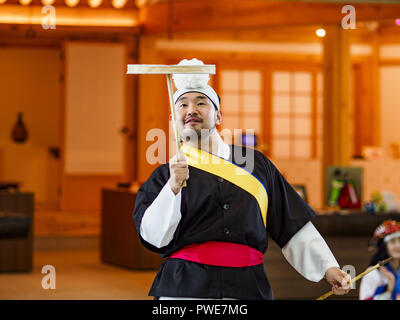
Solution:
(94, 105)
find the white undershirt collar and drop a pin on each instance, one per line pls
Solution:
(223, 148)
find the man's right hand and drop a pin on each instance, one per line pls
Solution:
(179, 171)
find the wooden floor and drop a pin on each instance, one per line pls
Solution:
(49, 220)
(79, 275)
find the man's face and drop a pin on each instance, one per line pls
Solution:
(195, 111)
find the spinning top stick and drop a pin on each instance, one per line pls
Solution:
(379, 264)
(168, 70)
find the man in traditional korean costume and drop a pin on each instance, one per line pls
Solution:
(214, 231)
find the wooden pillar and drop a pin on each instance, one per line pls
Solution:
(376, 118)
(337, 98)
(130, 125)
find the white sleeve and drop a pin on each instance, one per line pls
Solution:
(309, 254)
(161, 218)
(369, 283)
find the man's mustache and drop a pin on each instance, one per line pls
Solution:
(191, 118)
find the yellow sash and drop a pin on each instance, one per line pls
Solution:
(220, 167)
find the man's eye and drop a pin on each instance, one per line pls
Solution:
(183, 105)
(201, 103)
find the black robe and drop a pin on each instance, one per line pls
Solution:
(214, 209)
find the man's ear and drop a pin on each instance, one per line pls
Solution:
(218, 117)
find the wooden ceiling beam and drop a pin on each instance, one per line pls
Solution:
(190, 15)
(35, 35)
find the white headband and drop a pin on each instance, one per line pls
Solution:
(194, 83)
(391, 236)
(208, 91)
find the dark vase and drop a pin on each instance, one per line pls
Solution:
(19, 133)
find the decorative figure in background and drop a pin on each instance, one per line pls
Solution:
(348, 198)
(382, 202)
(336, 187)
(19, 133)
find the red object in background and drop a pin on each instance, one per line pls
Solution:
(348, 198)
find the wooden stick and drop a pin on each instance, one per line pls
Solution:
(169, 69)
(381, 263)
(173, 113)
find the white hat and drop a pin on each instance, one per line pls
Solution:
(196, 82)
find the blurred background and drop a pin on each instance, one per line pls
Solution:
(317, 81)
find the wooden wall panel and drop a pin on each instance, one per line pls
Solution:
(153, 105)
(363, 90)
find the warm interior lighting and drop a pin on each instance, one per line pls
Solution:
(71, 3)
(398, 22)
(47, 2)
(118, 4)
(25, 2)
(94, 3)
(71, 16)
(2, 1)
(320, 33)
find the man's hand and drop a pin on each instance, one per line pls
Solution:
(339, 280)
(179, 171)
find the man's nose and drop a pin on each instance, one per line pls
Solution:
(192, 109)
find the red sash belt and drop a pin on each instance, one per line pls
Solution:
(223, 254)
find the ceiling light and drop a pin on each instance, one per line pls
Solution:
(71, 3)
(320, 33)
(118, 4)
(94, 3)
(25, 2)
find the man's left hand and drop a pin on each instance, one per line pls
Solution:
(339, 280)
